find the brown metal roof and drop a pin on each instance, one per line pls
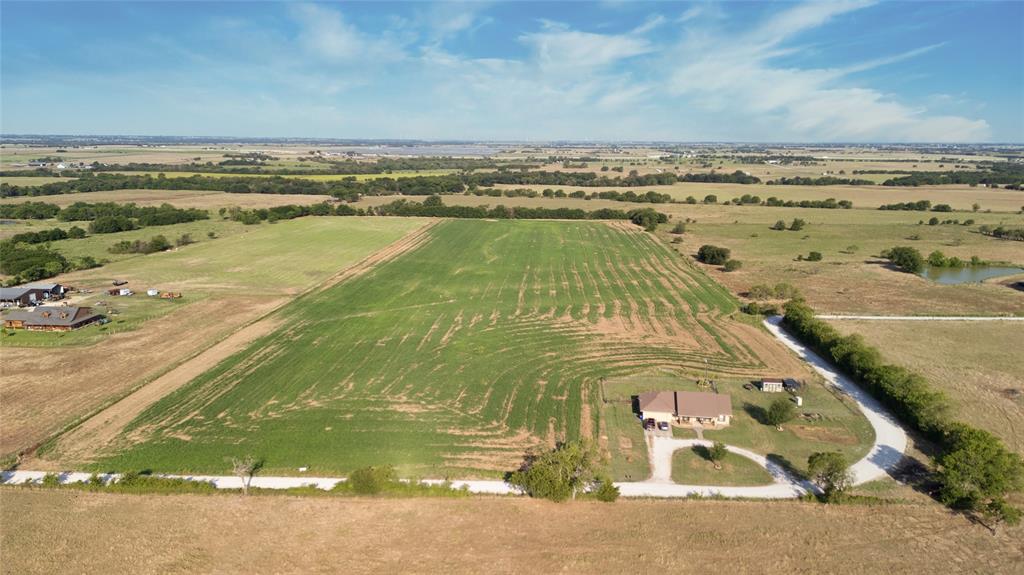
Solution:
(690, 403)
(65, 316)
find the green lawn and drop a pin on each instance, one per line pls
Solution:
(691, 467)
(841, 426)
(451, 359)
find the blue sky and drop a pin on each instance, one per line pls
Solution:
(845, 71)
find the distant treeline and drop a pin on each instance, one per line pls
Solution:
(822, 181)
(29, 211)
(1004, 233)
(918, 206)
(352, 189)
(163, 215)
(434, 207)
(988, 173)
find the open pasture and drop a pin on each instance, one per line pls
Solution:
(978, 364)
(454, 358)
(317, 177)
(959, 197)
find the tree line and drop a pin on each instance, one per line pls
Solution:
(822, 181)
(988, 173)
(975, 470)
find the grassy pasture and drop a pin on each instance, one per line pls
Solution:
(455, 357)
(960, 197)
(31, 180)
(978, 364)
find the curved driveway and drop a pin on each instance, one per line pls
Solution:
(885, 455)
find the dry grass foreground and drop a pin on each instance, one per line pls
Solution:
(974, 362)
(50, 531)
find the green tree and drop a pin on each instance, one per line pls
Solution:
(560, 474)
(814, 257)
(713, 199)
(779, 225)
(680, 228)
(716, 453)
(975, 207)
(780, 411)
(76, 233)
(713, 255)
(977, 472)
(732, 265)
(906, 258)
(797, 225)
(937, 259)
(830, 472)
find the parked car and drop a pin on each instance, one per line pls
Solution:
(649, 423)
(663, 425)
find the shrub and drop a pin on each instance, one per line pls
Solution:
(713, 255)
(680, 228)
(814, 257)
(51, 480)
(606, 490)
(797, 225)
(371, 480)
(779, 225)
(732, 265)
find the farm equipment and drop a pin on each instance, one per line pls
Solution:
(170, 295)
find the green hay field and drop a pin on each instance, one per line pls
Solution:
(453, 358)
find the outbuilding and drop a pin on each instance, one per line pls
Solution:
(772, 385)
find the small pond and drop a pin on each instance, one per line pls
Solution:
(968, 274)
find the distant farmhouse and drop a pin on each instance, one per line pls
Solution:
(30, 294)
(51, 318)
(686, 407)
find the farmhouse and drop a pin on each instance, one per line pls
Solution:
(51, 318)
(686, 407)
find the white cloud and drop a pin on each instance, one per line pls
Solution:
(327, 35)
(653, 21)
(562, 50)
(736, 74)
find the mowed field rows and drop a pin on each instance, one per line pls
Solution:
(453, 358)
